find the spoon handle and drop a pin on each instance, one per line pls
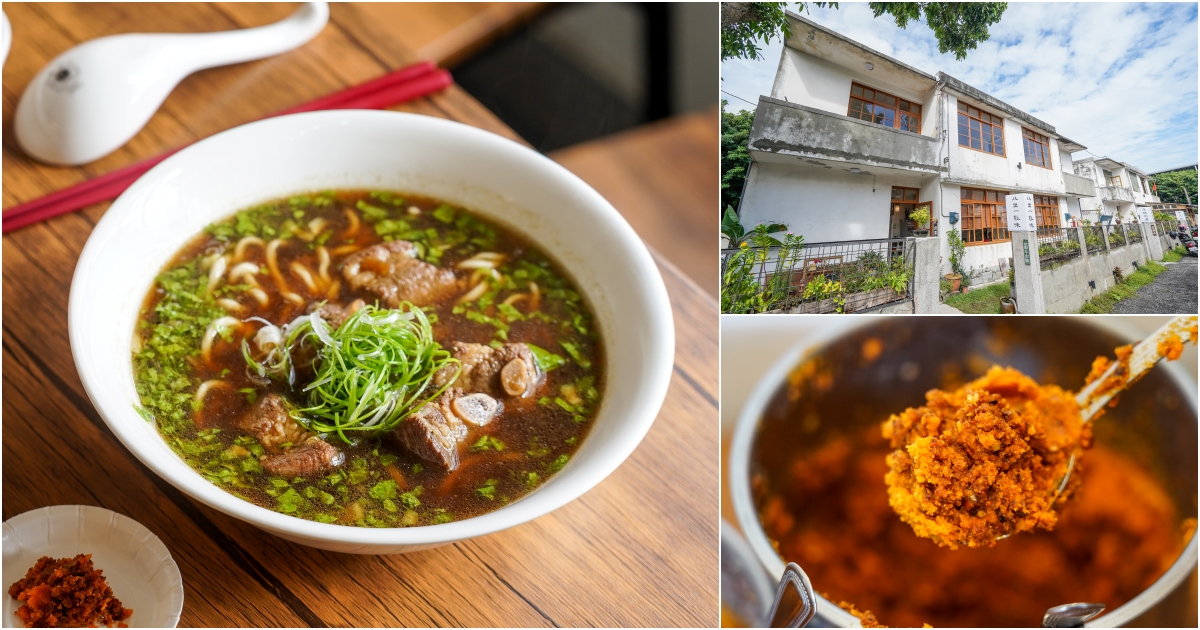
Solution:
(1146, 353)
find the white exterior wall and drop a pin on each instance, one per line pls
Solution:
(987, 170)
(821, 205)
(816, 83)
(983, 261)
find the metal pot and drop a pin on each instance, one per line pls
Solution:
(1035, 345)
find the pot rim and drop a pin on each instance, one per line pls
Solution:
(747, 427)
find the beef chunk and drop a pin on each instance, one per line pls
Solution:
(433, 434)
(509, 369)
(291, 450)
(390, 271)
(269, 423)
(436, 432)
(314, 457)
(335, 314)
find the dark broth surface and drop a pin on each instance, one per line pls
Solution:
(380, 483)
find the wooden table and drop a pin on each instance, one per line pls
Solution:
(639, 549)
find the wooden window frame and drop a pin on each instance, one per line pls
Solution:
(993, 216)
(897, 111)
(1047, 208)
(1145, 191)
(964, 112)
(1032, 139)
(1115, 180)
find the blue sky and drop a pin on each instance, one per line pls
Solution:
(1119, 78)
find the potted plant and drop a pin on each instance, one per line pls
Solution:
(957, 249)
(921, 217)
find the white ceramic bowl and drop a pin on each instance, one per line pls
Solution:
(497, 178)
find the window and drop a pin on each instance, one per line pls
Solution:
(1037, 148)
(980, 130)
(884, 109)
(1046, 209)
(1115, 180)
(1144, 190)
(984, 216)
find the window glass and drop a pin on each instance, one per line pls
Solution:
(986, 130)
(984, 217)
(882, 108)
(962, 107)
(910, 194)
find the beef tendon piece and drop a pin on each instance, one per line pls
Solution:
(314, 457)
(509, 369)
(392, 272)
(985, 460)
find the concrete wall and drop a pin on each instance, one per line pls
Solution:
(799, 130)
(821, 204)
(817, 83)
(1065, 287)
(969, 167)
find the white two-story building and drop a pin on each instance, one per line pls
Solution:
(851, 141)
(1120, 188)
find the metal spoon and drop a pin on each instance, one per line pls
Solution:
(1071, 615)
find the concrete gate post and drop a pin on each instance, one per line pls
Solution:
(1027, 274)
(1153, 244)
(926, 276)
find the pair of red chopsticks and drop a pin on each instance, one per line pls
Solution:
(402, 85)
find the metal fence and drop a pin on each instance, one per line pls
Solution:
(1057, 245)
(1116, 235)
(838, 277)
(1093, 237)
(1133, 233)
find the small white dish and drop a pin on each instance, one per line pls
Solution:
(136, 564)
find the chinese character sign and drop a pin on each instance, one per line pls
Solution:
(1145, 215)
(1021, 217)
(1181, 215)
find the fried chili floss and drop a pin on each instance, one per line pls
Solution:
(67, 592)
(985, 460)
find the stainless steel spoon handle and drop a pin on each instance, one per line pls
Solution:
(1071, 615)
(795, 604)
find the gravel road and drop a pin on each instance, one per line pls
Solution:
(1173, 292)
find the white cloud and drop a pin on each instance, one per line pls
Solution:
(1119, 78)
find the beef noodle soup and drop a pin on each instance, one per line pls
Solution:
(369, 359)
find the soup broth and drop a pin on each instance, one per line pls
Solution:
(492, 357)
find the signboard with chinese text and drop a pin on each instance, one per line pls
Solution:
(1145, 215)
(1021, 216)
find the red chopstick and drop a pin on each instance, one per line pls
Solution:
(395, 87)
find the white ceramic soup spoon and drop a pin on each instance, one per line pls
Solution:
(95, 97)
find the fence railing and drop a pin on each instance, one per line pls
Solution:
(1057, 245)
(1133, 233)
(1116, 235)
(837, 277)
(1093, 237)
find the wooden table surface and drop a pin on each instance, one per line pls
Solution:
(639, 549)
